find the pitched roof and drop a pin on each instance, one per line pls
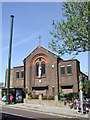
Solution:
(39, 46)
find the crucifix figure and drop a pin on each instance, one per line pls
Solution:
(39, 39)
(39, 70)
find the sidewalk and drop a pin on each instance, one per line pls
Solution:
(64, 111)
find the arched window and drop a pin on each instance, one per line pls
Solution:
(43, 68)
(37, 66)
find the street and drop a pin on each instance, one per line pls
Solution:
(17, 114)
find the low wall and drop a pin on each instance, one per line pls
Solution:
(46, 102)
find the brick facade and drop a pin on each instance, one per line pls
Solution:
(52, 81)
(14, 81)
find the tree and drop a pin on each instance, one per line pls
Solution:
(71, 35)
(86, 86)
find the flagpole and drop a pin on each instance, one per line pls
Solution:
(9, 60)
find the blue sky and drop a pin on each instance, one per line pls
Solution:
(31, 19)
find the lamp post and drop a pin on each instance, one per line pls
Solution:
(9, 60)
(81, 92)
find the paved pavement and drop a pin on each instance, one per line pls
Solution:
(58, 111)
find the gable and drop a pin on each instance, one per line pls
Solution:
(39, 50)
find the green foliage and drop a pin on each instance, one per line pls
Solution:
(24, 90)
(44, 97)
(86, 86)
(70, 96)
(4, 92)
(51, 97)
(61, 96)
(36, 96)
(71, 35)
(12, 90)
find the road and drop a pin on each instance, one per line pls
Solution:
(17, 114)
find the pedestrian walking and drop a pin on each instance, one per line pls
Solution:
(77, 104)
(11, 98)
(87, 105)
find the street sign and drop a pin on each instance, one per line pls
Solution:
(80, 87)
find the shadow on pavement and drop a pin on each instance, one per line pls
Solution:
(13, 117)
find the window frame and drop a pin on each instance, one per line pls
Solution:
(61, 70)
(70, 69)
(17, 75)
(36, 67)
(53, 89)
(44, 68)
(21, 74)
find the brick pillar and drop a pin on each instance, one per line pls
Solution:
(56, 98)
(40, 97)
(25, 100)
(26, 95)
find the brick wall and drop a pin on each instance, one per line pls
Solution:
(50, 77)
(69, 79)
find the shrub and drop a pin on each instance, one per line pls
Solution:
(47, 97)
(36, 96)
(51, 97)
(44, 97)
(61, 96)
(70, 96)
(4, 91)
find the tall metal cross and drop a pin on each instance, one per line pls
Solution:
(39, 40)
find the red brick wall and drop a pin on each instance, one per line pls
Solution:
(69, 79)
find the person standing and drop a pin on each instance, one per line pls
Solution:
(11, 98)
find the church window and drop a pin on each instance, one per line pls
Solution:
(37, 67)
(17, 74)
(62, 70)
(40, 67)
(39, 59)
(43, 68)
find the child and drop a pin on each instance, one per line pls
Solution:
(77, 104)
(87, 103)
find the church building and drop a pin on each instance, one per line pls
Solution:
(45, 73)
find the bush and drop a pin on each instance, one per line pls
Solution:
(51, 97)
(70, 96)
(61, 96)
(36, 96)
(4, 91)
(44, 97)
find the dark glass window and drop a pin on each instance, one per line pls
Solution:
(22, 74)
(37, 66)
(39, 59)
(62, 70)
(43, 68)
(17, 74)
(69, 71)
(53, 89)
